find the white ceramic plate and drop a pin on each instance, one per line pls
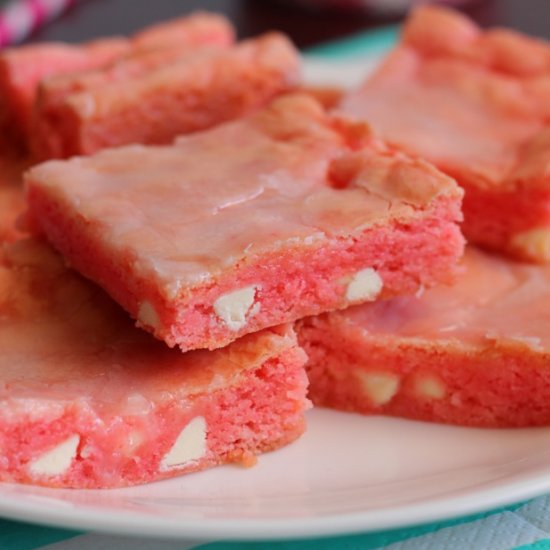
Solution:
(348, 473)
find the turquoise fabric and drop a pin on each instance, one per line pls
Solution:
(22, 536)
(540, 545)
(371, 541)
(358, 45)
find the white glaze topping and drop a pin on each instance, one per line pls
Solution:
(188, 211)
(493, 299)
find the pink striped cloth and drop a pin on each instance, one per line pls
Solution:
(19, 18)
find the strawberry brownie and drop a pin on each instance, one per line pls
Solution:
(197, 29)
(89, 401)
(12, 199)
(289, 212)
(476, 353)
(474, 103)
(154, 97)
(23, 68)
(329, 97)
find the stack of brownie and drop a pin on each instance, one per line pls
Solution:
(262, 242)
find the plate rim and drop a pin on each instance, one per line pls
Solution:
(91, 518)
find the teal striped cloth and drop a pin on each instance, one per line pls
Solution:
(523, 526)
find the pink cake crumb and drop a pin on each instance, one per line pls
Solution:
(287, 213)
(89, 401)
(476, 353)
(156, 96)
(23, 68)
(475, 104)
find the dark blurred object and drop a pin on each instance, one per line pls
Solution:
(374, 7)
(308, 27)
(93, 18)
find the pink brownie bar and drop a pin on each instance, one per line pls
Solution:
(12, 201)
(155, 97)
(197, 29)
(89, 401)
(23, 68)
(264, 220)
(476, 353)
(12, 198)
(475, 103)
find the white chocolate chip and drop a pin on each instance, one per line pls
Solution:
(364, 285)
(147, 315)
(430, 387)
(136, 404)
(57, 460)
(190, 445)
(380, 387)
(533, 244)
(134, 440)
(233, 307)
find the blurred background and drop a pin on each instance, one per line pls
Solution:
(308, 22)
